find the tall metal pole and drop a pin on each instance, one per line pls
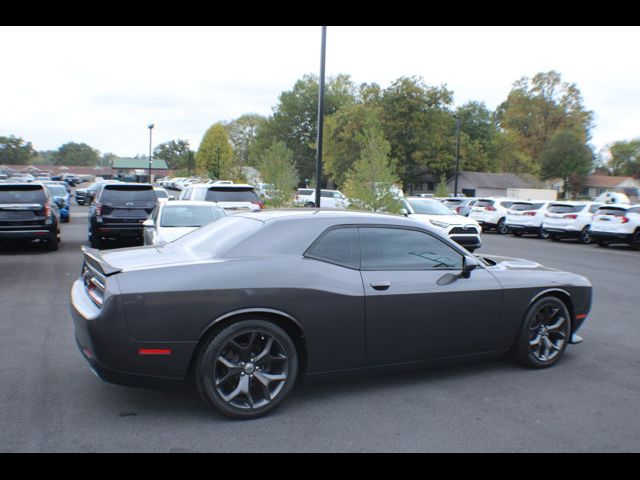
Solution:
(150, 135)
(320, 117)
(455, 184)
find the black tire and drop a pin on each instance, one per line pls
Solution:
(218, 364)
(53, 240)
(501, 227)
(554, 238)
(517, 234)
(534, 329)
(585, 236)
(310, 205)
(603, 244)
(635, 240)
(543, 234)
(95, 242)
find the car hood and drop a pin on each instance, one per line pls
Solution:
(150, 256)
(450, 219)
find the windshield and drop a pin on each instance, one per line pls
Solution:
(218, 237)
(57, 190)
(22, 194)
(429, 207)
(189, 216)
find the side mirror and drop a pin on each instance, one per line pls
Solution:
(469, 264)
(404, 212)
(148, 223)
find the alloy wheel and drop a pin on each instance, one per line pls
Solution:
(251, 370)
(548, 333)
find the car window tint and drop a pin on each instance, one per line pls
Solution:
(618, 212)
(122, 193)
(340, 245)
(506, 204)
(634, 210)
(402, 249)
(22, 194)
(57, 190)
(565, 208)
(189, 216)
(231, 195)
(484, 203)
(304, 191)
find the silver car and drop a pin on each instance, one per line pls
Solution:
(172, 220)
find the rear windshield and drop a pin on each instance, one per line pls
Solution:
(522, 206)
(216, 194)
(618, 212)
(22, 194)
(126, 193)
(189, 216)
(219, 237)
(484, 203)
(565, 208)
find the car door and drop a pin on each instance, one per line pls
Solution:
(417, 304)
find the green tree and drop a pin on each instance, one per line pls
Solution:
(242, 133)
(537, 108)
(625, 158)
(174, 152)
(215, 156)
(294, 120)
(442, 190)
(368, 183)
(566, 156)
(72, 153)
(106, 159)
(278, 169)
(15, 151)
(417, 122)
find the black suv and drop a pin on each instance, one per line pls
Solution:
(28, 212)
(118, 212)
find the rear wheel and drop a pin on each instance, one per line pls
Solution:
(554, 238)
(585, 236)
(603, 244)
(247, 369)
(542, 233)
(545, 333)
(517, 234)
(635, 240)
(53, 239)
(310, 205)
(502, 227)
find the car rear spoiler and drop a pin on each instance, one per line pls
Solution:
(94, 258)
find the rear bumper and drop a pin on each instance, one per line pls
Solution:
(24, 233)
(562, 233)
(103, 338)
(612, 237)
(523, 228)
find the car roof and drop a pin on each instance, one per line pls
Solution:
(336, 216)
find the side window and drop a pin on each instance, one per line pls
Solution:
(594, 208)
(340, 246)
(402, 249)
(634, 210)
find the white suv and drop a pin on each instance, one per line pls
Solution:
(328, 198)
(462, 230)
(527, 217)
(491, 212)
(617, 224)
(569, 220)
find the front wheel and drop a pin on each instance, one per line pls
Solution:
(247, 369)
(545, 333)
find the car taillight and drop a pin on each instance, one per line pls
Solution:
(98, 209)
(490, 209)
(530, 214)
(571, 216)
(47, 210)
(458, 209)
(624, 219)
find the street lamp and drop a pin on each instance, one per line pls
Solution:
(151, 125)
(455, 183)
(320, 117)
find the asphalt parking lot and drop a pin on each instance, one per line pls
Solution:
(50, 401)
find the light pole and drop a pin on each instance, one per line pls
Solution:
(455, 183)
(320, 117)
(151, 125)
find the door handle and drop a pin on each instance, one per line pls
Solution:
(380, 285)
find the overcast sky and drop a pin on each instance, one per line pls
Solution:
(102, 85)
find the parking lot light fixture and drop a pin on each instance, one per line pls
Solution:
(151, 125)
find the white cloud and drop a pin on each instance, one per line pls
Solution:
(104, 85)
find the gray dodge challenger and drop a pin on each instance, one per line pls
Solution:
(245, 306)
